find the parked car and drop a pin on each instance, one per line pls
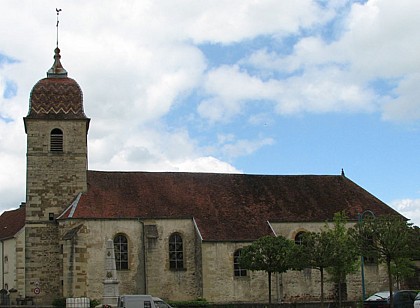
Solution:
(402, 299)
(417, 301)
(160, 303)
(141, 301)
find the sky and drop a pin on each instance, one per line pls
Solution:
(234, 86)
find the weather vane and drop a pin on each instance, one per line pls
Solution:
(58, 13)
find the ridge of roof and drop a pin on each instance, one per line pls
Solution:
(209, 173)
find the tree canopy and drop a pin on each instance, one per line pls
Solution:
(270, 254)
(391, 240)
(315, 252)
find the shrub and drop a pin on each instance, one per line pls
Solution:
(59, 302)
(200, 302)
(94, 303)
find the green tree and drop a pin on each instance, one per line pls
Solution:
(343, 252)
(315, 252)
(389, 239)
(402, 268)
(270, 254)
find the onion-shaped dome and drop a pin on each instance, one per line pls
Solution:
(57, 96)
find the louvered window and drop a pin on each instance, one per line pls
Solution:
(56, 140)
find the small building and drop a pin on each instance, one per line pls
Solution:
(12, 248)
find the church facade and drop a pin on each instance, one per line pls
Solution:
(176, 235)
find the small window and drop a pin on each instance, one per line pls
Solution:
(299, 238)
(237, 270)
(50, 216)
(56, 140)
(121, 252)
(176, 252)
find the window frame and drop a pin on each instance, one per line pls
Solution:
(299, 237)
(121, 249)
(176, 252)
(237, 270)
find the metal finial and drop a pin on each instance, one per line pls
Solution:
(58, 13)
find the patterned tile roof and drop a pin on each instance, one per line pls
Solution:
(224, 206)
(11, 222)
(57, 96)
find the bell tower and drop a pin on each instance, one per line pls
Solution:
(56, 128)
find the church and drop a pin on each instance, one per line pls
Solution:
(177, 236)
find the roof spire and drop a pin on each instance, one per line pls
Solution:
(57, 70)
(58, 13)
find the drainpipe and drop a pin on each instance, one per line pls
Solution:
(2, 264)
(143, 247)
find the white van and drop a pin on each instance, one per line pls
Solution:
(141, 301)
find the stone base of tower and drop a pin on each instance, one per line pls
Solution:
(43, 263)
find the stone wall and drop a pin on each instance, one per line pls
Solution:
(146, 255)
(53, 181)
(20, 262)
(75, 258)
(87, 249)
(163, 281)
(43, 262)
(219, 282)
(208, 269)
(9, 263)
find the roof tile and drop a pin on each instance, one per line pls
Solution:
(224, 206)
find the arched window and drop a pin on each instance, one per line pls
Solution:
(299, 238)
(121, 252)
(176, 252)
(56, 140)
(370, 260)
(237, 270)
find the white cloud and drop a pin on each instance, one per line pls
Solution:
(231, 88)
(406, 106)
(12, 162)
(137, 61)
(326, 89)
(410, 208)
(379, 41)
(206, 164)
(381, 37)
(233, 21)
(244, 147)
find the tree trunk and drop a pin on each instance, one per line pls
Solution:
(390, 284)
(339, 294)
(269, 288)
(322, 286)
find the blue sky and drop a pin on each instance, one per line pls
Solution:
(268, 87)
